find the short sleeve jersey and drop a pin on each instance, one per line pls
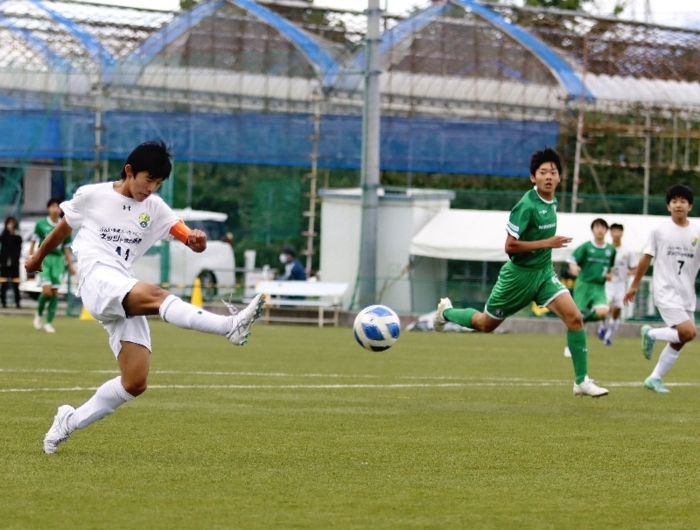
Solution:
(42, 229)
(533, 219)
(595, 261)
(114, 229)
(676, 264)
(625, 260)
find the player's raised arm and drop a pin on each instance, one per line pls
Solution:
(52, 241)
(194, 239)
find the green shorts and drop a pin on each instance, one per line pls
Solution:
(517, 287)
(53, 266)
(588, 296)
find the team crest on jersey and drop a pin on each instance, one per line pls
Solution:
(607, 252)
(694, 241)
(144, 220)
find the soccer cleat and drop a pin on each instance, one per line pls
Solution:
(567, 352)
(647, 343)
(601, 332)
(607, 342)
(589, 388)
(244, 320)
(439, 320)
(38, 322)
(48, 328)
(59, 432)
(656, 385)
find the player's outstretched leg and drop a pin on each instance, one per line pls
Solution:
(235, 327)
(59, 431)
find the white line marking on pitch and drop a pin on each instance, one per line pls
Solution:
(341, 386)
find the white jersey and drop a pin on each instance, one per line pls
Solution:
(676, 263)
(114, 229)
(625, 260)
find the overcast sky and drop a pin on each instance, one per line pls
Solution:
(674, 12)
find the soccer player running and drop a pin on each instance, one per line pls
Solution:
(118, 222)
(590, 264)
(625, 265)
(674, 247)
(53, 268)
(529, 274)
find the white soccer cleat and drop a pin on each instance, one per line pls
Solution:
(244, 320)
(589, 388)
(439, 320)
(48, 328)
(38, 322)
(59, 432)
(567, 352)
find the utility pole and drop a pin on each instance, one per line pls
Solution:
(367, 275)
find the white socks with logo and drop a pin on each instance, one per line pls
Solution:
(183, 315)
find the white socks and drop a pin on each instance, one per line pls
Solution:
(184, 315)
(105, 401)
(666, 360)
(665, 334)
(613, 325)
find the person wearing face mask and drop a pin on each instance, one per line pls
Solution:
(293, 269)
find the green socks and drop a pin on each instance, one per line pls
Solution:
(576, 340)
(53, 304)
(461, 317)
(42, 304)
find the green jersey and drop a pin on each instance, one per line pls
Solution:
(533, 219)
(41, 231)
(595, 261)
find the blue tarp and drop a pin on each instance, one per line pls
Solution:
(469, 146)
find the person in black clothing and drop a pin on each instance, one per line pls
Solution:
(10, 250)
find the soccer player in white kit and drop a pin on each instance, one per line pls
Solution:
(674, 247)
(625, 265)
(118, 222)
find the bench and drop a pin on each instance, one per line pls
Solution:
(325, 296)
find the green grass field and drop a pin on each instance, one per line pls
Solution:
(302, 428)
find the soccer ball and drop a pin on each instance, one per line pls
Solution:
(376, 328)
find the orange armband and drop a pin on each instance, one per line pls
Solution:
(180, 231)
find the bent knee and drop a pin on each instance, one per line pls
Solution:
(574, 321)
(135, 388)
(686, 335)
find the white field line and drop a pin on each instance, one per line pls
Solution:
(493, 381)
(520, 383)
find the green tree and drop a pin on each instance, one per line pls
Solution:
(186, 5)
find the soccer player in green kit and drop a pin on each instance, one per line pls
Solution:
(54, 266)
(591, 264)
(529, 273)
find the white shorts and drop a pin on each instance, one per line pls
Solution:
(615, 291)
(673, 316)
(103, 290)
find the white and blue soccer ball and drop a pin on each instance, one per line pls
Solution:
(377, 328)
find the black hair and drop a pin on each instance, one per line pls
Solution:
(599, 221)
(53, 200)
(11, 218)
(154, 157)
(679, 191)
(616, 226)
(546, 155)
(290, 251)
